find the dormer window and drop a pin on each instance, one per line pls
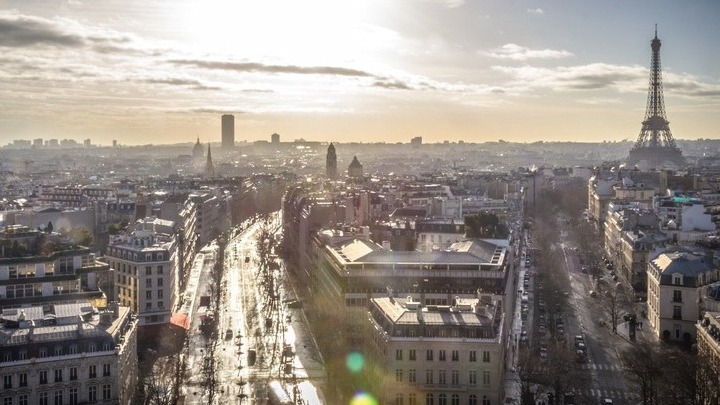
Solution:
(677, 279)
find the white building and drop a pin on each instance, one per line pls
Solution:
(145, 269)
(676, 284)
(452, 354)
(67, 354)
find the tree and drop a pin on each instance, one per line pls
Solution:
(81, 236)
(49, 228)
(641, 366)
(615, 299)
(484, 225)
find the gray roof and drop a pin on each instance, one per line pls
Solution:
(685, 263)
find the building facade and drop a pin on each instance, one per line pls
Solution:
(36, 267)
(438, 354)
(68, 354)
(708, 358)
(145, 270)
(676, 284)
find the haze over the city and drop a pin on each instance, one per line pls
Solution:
(156, 71)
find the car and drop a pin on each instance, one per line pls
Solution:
(580, 356)
(584, 269)
(593, 294)
(579, 338)
(607, 401)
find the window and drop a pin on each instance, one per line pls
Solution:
(92, 348)
(8, 401)
(58, 375)
(429, 355)
(58, 397)
(160, 270)
(411, 355)
(442, 380)
(472, 379)
(486, 356)
(148, 270)
(73, 396)
(677, 280)
(486, 378)
(398, 375)
(160, 282)
(58, 350)
(485, 400)
(7, 381)
(148, 295)
(677, 312)
(73, 373)
(455, 399)
(107, 346)
(92, 393)
(160, 296)
(73, 349)
(398, 354)
(43, 398)
(43, 377)
(23, 399)
(455, 377)
(106, 391)
(412, 399)
(399, 399)
(429, 399)
(472, 400)
(411, 376)
(677, 296)
(22, 355)
(42, 352)
(148, 305)
(429, 377)
(106, 369)
(92, 371)
(148, 282)
(441, 355)
(22, 380)
(442, 399)
(455, 355)
(473, 355)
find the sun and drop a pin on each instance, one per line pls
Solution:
(304, 32)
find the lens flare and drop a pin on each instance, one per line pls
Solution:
(355, 362)
(363, 398)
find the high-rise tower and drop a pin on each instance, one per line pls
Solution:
(655, 144)
(228, 131)
(331, 162)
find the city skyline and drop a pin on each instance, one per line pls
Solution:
(360, 71)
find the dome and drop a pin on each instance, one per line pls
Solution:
(198, 149)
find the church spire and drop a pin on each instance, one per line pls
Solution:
(209, 170)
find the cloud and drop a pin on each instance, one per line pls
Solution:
(599, 76)
(448, 3)
(391, 84)
(537, 11)
(254, 67)
(517, 52)
(585, 77)
(20, 31)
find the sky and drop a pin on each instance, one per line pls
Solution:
(163, 72)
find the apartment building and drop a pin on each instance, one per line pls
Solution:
(67, 354)
(144, 264)
(438, 354)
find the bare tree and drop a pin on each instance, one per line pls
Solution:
(615, 299)
(161, 381)
(530, 373)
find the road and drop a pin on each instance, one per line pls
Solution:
(256, 317)
(604, 347)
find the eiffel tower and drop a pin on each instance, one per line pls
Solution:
(655, 144)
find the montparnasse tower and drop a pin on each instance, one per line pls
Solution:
(331, 162)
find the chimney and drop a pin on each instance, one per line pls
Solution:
(419, 313)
